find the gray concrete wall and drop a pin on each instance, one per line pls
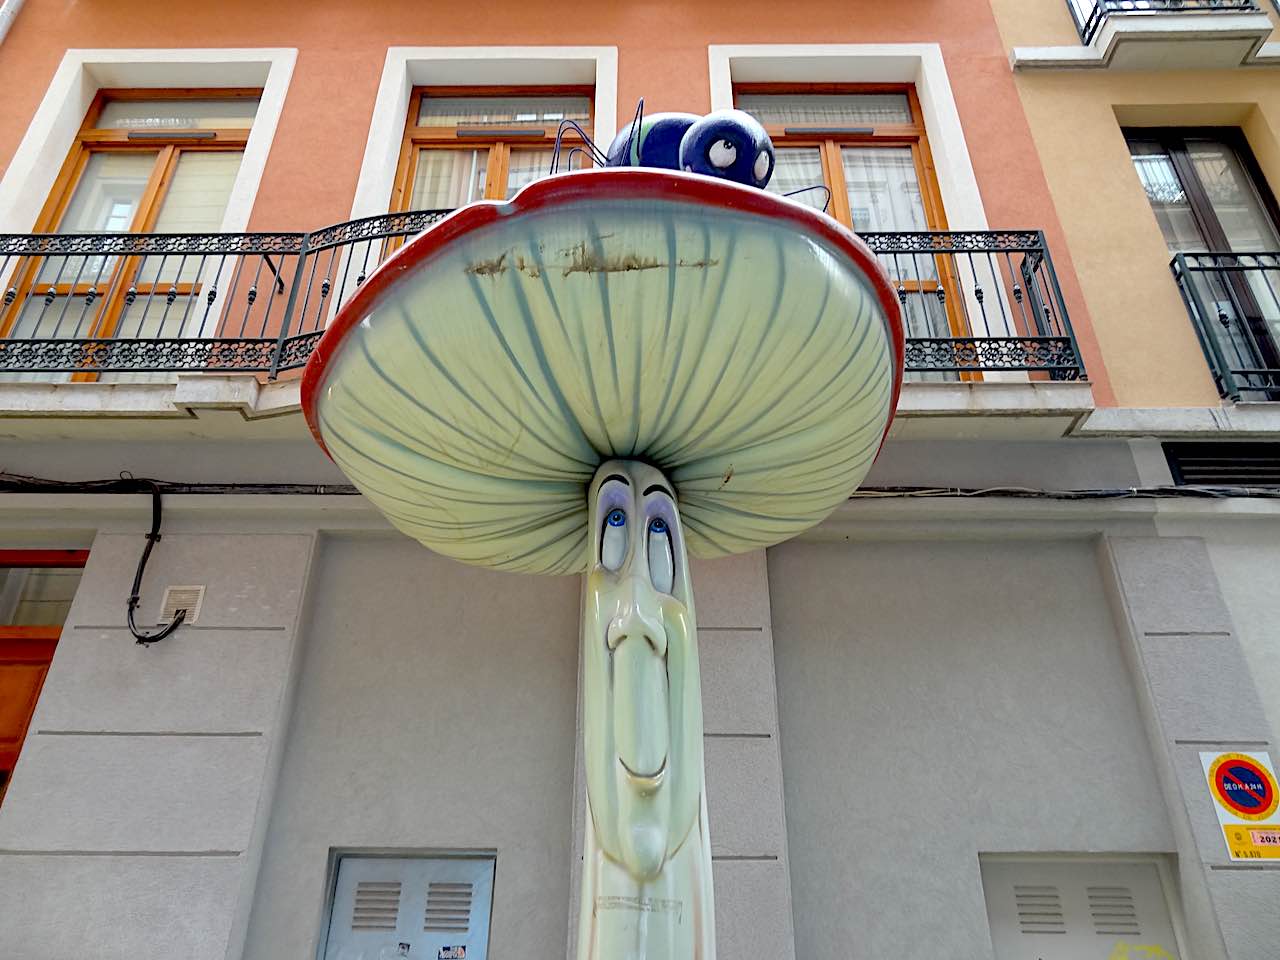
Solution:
(434, 711)
(131, 830)
(938, 700)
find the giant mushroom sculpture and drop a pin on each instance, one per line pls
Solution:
(610, 372)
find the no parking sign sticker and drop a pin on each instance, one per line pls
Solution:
(1246, 797)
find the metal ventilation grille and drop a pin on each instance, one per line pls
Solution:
(1113, 911)
(1039, 909)
(377, 905)
(448, 908)
(190, 599)
(1224, 464)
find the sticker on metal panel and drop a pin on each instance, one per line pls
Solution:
(452, 953)
(1246, 797)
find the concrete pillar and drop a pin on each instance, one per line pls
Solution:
(744, 766)
(1197, 694)
(134, 824)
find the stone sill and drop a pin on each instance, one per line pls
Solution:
(1229, 422)
(1163, 41)
(240, 407)
(1011, 410)
(226, 406)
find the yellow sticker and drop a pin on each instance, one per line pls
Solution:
(1140, 951)
(1248, 842)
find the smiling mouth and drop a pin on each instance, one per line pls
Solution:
(647, 781)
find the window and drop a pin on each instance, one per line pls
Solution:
(144, 161)
(36, 589)
(393, 906)
(866, 144)
(472, 143)
(1208, 194)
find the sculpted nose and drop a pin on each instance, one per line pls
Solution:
(639, 619)
(640, 697)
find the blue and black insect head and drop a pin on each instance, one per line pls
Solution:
(728, 144)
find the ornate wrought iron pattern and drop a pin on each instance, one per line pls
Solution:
(258, 302)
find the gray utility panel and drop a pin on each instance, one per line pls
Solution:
(424, 908)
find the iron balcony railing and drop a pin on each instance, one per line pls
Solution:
(1234, 302)
(125, 306)
(1090, 15)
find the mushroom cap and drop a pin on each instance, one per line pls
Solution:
(745, 345)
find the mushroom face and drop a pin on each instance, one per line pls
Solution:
(642, 711)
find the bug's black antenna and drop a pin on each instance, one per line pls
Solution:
(634, 130)
(590, 147)
(817, 186)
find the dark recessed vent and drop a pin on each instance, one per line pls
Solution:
(448, 908)
(1113, 911)
(1039, 909)
(1224, 464)
(377, 905)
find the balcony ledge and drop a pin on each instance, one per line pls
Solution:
(1002, 410)
(212, 406)
(1163, 41)
(1232, 421)
(240, 407)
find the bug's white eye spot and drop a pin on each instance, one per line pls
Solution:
(613, 541)
(761, 169)
(662, 569)
(722, 154)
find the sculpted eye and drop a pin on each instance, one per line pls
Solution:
(613, 542)
(722, 154)
(761, 169)
(661, 560)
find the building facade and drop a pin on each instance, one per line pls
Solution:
(973, 714)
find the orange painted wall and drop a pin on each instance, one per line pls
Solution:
(662, 50)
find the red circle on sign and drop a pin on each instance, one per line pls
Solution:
(1258, 795)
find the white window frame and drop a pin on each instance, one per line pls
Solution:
(82, 73)
(409, 67)
(920, 64)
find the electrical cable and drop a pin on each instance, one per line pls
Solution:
(153, 537)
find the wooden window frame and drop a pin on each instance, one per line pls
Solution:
(31, 643)
(417, 138)
(91, 139)
(911, 135)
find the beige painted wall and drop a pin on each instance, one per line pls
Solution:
(1120, 257)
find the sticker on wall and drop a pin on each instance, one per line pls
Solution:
(452, 953)
(1246, 797)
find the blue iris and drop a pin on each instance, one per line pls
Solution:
(657, 525)
(616, 518)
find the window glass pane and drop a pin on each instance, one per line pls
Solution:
(884, 192)
(229, 113)
(107, 196)
(546, 112)
(197, 195)
(527, 166)
(1168, 198)
(796, 168)
(827, 110)
(194, 203)
(36, 596)
(1234, 198)
(445, 179)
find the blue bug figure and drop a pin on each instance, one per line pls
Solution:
(728, 144)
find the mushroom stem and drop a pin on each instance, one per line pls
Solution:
(646, 878)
